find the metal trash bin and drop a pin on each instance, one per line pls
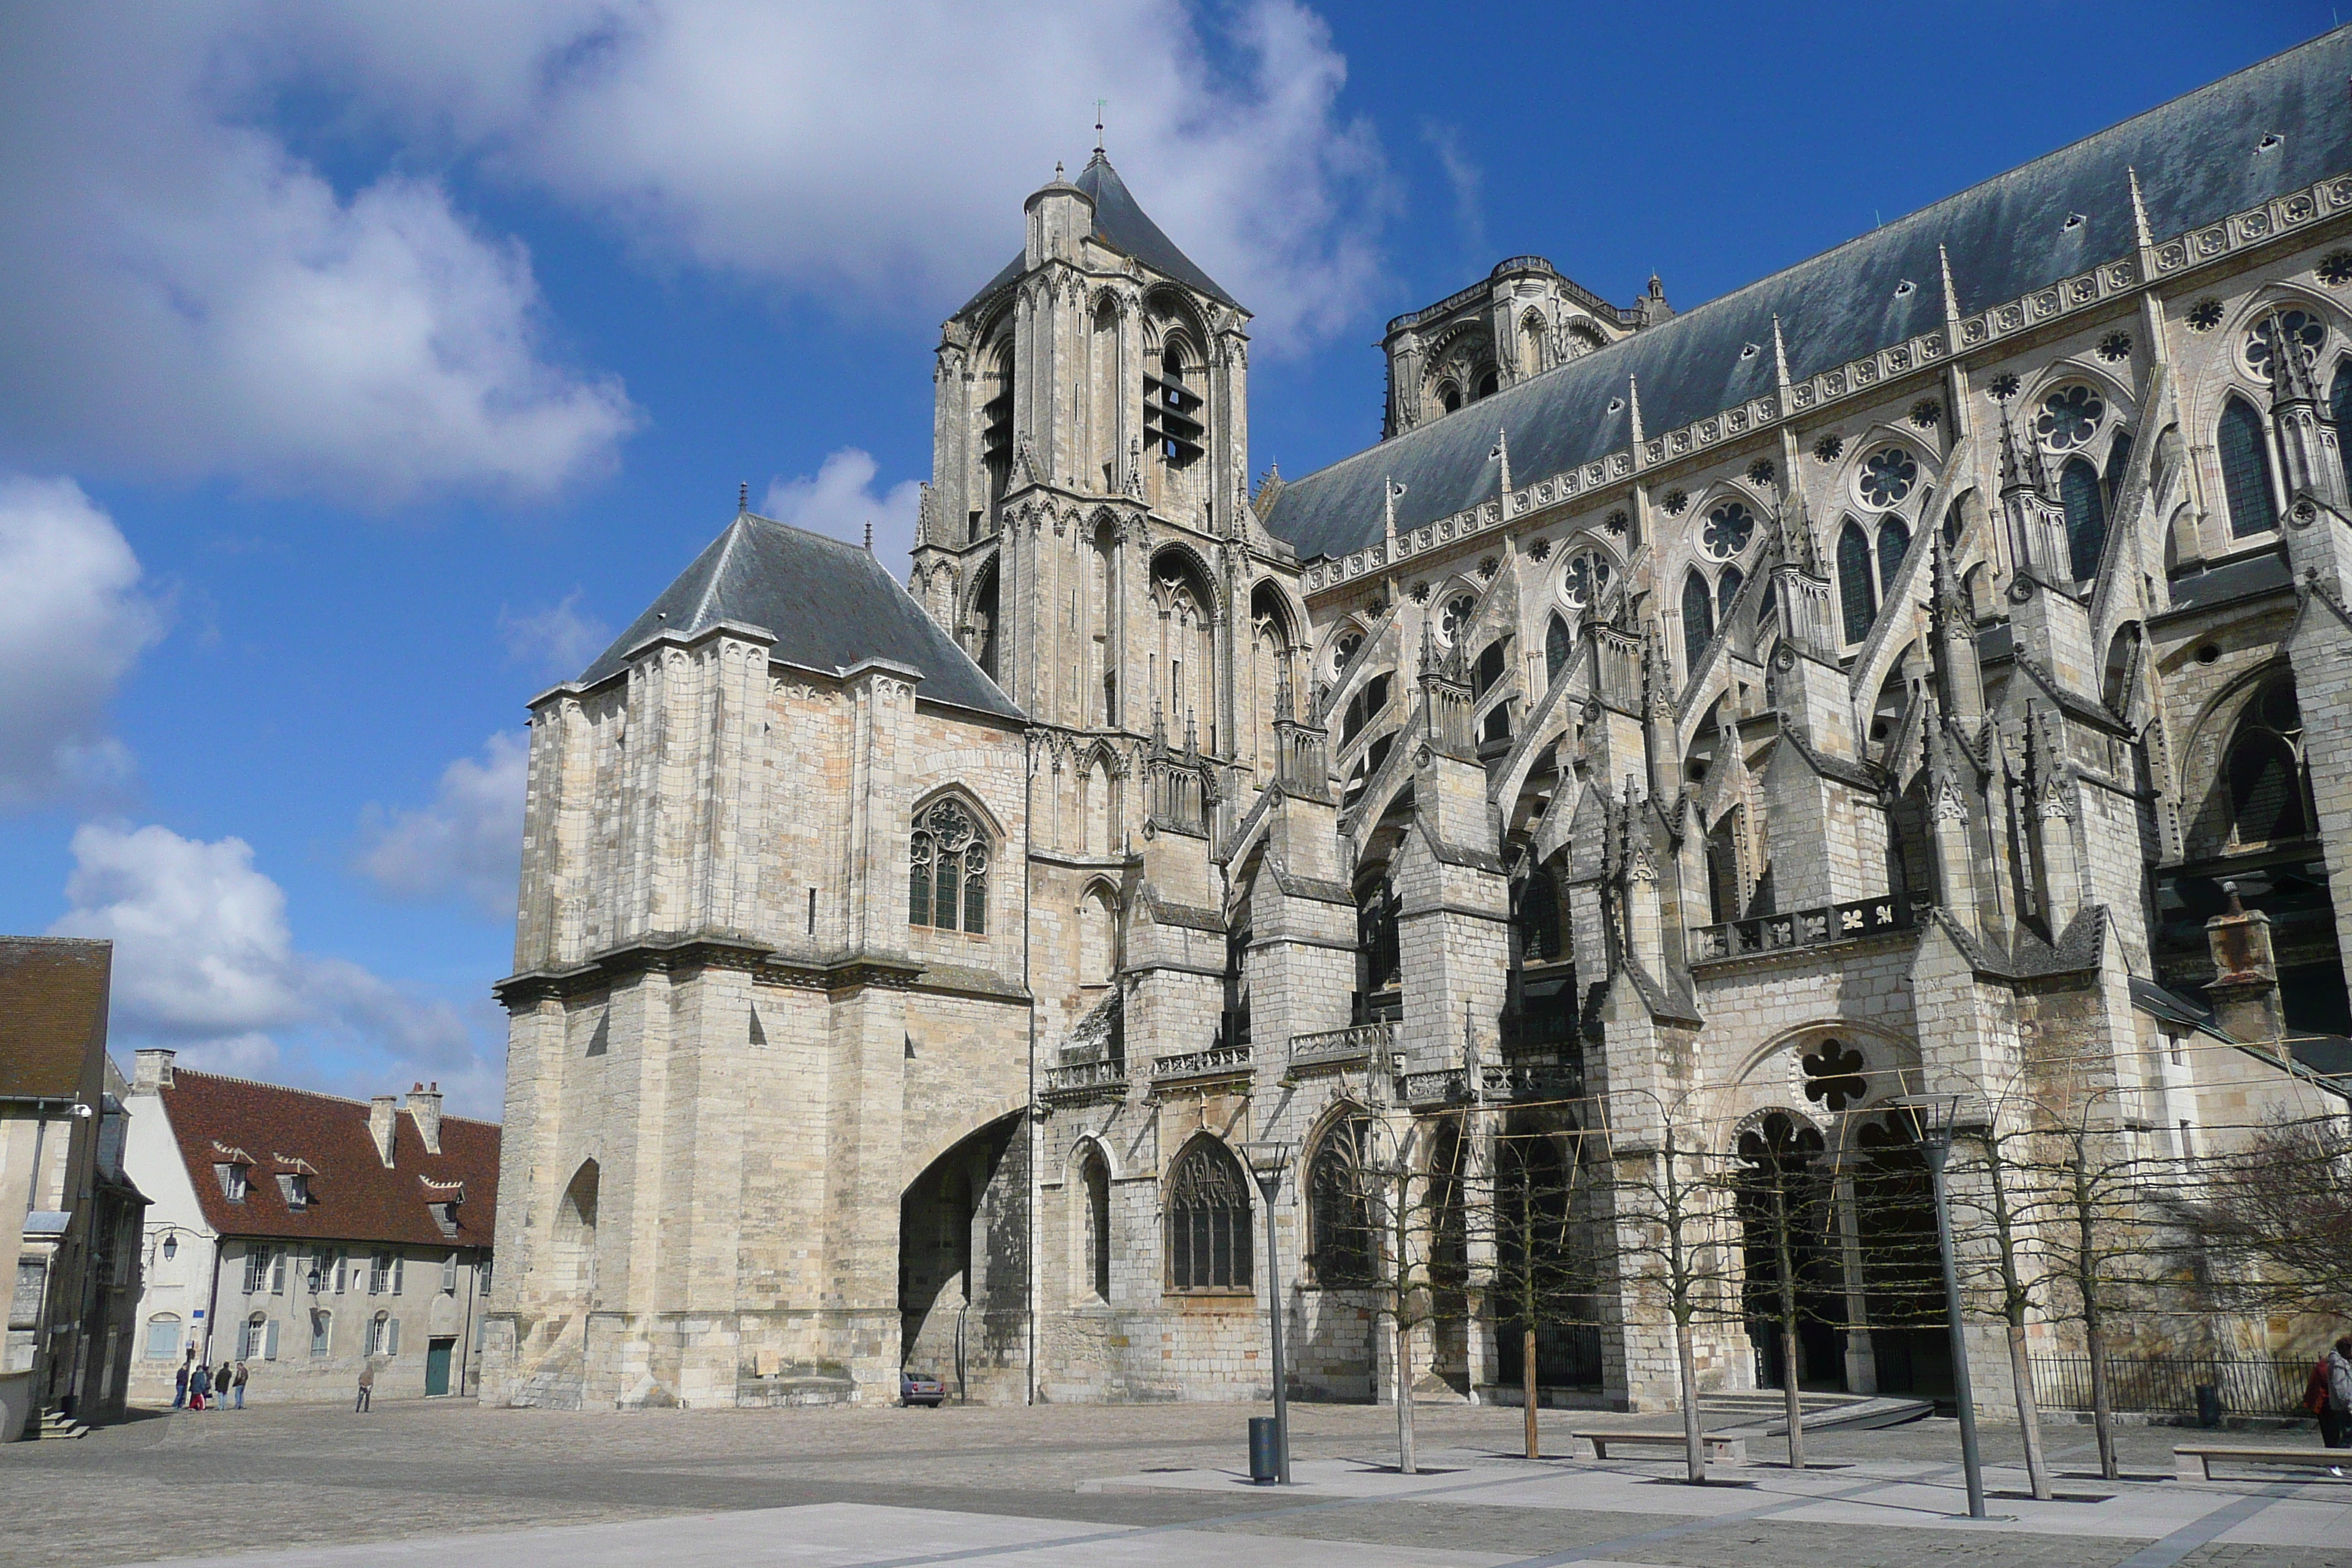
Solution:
(1265, 1451)
(2208, 1405)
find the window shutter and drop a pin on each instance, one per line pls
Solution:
(449, 1274)
(277, 1277)
(396, 1262)
(391, 1337)
(270, 1342)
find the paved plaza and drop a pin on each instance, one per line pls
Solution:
(455, 1485)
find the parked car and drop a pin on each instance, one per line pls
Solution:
(914, 1388)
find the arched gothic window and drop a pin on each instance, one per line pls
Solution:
(2118, 461)
(1894, 543)
(1489, 382)
(1727, 594)
(2086, 517)
(1538, 917)
(1556, 648)
(2246, 470)
(946, 871)
(1094, 1182)
(1208, 1220)
(1698, 620)
(2269, 797)
(1380, 954)
(1488, 670)
(1449, 396)
(1339, 1208)
(1857, 597)
(2339, 409)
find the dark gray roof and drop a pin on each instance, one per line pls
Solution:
(828, 604)
(1127, 228)
(2248, 579)
(2199, 158)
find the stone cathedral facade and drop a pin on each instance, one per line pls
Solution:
(1861, 684)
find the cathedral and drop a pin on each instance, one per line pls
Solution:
(1923, 668)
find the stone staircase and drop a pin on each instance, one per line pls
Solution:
(55, 1423)
(1765, 1412)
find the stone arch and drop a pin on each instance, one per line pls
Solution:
(1891, 1061)
(572, 1248)
(1098, 922)
(959, 1219)
(2208, 826)
(1342, 1242)
(1088, 1177)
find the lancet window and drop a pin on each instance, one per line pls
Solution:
(2246, 470)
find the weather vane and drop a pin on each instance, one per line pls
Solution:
(1100, 104)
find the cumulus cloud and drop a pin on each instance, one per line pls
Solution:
(73, 620)
(466, 843)
(878, 156)
(204, 962)
(840, 499)
(182, 295)
(557, 640)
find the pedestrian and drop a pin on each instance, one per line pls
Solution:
(240, 1385)
(220, 1385)
(367, 1386)
(179, 1385)
(2339, 1397)
(200, 1383)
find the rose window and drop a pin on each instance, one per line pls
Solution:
(1888, 476)
(1455, 620)
(1834, 1076)
(2069, 417)
(1727, 530)
(1586, 579)
(2297, 327)
(1345, 649)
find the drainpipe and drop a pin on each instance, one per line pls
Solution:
(1029, 1125)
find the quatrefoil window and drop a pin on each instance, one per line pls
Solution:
(2069, 417)
(1586, 579)
(1834, 1076)
(1455, 620)
(1727, 530)
(1888, 476)
(2297, 327)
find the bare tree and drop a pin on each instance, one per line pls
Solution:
(1542, 1269)
(2274, 1217)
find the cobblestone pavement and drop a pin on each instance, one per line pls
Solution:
(303, 1480)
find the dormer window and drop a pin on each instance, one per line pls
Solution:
(445, 1214)
(233, 1180)
(294, 1187)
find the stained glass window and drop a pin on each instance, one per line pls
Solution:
(1556, 648)
(2297, 327)
(1585, 580)
(1857, 596)
(2086, 517)
(1894, 543)
(2339, 409)
(2069, 417)
(1339, 1208)
(1698, 620)
(1208, 1220)
(946, 871)
(1727, 530)
(2246, 470)
(1888, 476)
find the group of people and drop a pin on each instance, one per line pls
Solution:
(199, 1387)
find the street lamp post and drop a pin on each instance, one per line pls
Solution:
(1268, 1158)
(1940, 1118)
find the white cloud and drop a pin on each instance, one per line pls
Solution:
(182, 295)
(204, 962)
(467, 842)
(878, 154)
(840, 501)
(556, 641)
(72, 623)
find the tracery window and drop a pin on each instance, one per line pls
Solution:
(1456, 617)
(2299, 328)
(2069, 418)
(1886, 476)
(2246, 470)
(1585, 579)
(946, 871)
(2086, 517)
(2269, 797)
(1857, 595)
(1556, 648)
(1727, 594)
(1208, 1220)
(1343, 648)
(1727, 530)
(1339, 1208)
(1894, 543)
(1698, 620)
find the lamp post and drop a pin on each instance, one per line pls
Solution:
(1269, 1159)
(1940, 1118)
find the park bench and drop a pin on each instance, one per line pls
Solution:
(1731, 1451)
(2197, 1463)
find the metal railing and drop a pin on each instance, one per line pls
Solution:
(1799, 928)
(1342, 1047)
(2249, 1386)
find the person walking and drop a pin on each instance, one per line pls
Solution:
(200, 1383)
(2339, 1397)
(220, 1387)
(240, 1385)
(180, 1384)
(367, 1386)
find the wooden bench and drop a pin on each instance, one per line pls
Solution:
(2197, 1463)
(1731, 1451)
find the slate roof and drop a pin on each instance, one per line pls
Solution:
(53, 993)
(2199, 158)
(2249, 579)
(353, 1196)
(1127, 228)
(828, 604)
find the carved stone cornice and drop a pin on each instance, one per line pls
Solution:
(679, 953)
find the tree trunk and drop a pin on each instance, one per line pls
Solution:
(2029, 1411)
(2102, 1414)
(1405, 1465)
(1528, 1388)
(1693, 1443)
(1792, 1399)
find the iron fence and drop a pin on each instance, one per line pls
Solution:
(2249, 1386)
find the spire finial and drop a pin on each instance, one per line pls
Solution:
(870, 536)
(1100, 104)
(743, 495)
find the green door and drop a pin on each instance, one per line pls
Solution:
(437, 1366)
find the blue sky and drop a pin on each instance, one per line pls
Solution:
(362, 367)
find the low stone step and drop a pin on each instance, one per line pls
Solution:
(1854, 1412)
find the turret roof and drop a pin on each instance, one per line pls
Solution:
(1127, 228)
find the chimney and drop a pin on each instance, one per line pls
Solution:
(153, 1071)
(380, 1114)
(424, 1105)
(2244, 987)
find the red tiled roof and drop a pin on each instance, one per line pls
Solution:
(354, 1197)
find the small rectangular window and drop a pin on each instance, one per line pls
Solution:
(812, 915)
(449, 1275)
(322, 1332)
(232, 1182)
